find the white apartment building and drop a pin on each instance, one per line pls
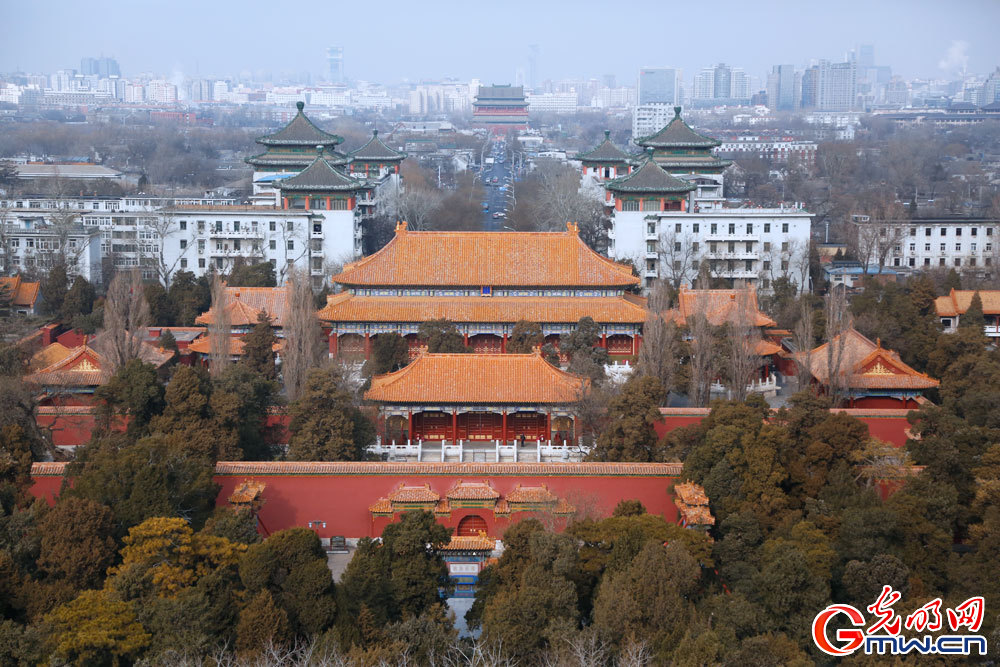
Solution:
(648, 118)
(559, 103)
(779, 150)
(28, 242)
(968, 245)
(755, 246)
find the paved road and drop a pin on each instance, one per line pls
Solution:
(496, 193)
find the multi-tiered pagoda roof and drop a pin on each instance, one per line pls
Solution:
(376, 151)
(678, 148)
(605, 153)
(294, 146)
(650, 178)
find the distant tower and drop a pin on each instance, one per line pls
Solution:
(533, 66)
(335, 56)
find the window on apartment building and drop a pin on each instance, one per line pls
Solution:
(291, 244)
(958, 261)
(913, 247)
(236, 244)
(913, 261)
(749, 246)
(972, 247)
(183, 225)
(765, 283)
(677, 265)
(694, 265)
(714, 228)
(253, 225)
(651, 265)
(927, 261)
(712, 247)
(944, 231)
(944, 246)
(958, 231)
(201, 262)
(784, 265)
(650, 246)
(784, 228)
(989, 247)
(236, 225)
(317, 263)
(958, 247)
(748, 265)
(695, 227)
(677, 228)
(927, 247)
(784, 246)
(272, 244)
(989, 231)
(913, 231)
(317, 246)
(184, 263)
(677, 246)
(895, 261)
(941, 262)
(201, 226)
(974, 231)
(650, 227)
(972, 261)
(767, 227)
(184, 244)
(218, 246)
(218, 226)
(731, 246)
(732, 227)
(270, 225)
(767, 246)
(927, 231)
(694, 246)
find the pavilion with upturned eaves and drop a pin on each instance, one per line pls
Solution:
(375, 160)
(605, 162)
(648, 188)
(477, 397)
(680, 150)
(484, 283)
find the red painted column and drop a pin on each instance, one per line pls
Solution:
(548, 425)
(454, 426)
(409, 424)
(368, 345)
(465, 339)
(503, 429)
(604, 341)
(503, 344)
(334, 340)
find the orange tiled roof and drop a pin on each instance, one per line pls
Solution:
(487, 258)
(717, 305)
(381, 506)
(696, 516)
(345, 307)
(563, 507)
(531, 494)
(49, 355)
(867, 365)
(470, 543)
(442, 507)
(765, 348)
(958, 301)
(243, 304)
(246, 492)
(691, 493)
(477, 378)
(203, 345)
(502, 507)
(22, 294)
(465, 490)
(81, 366)
(414, 494)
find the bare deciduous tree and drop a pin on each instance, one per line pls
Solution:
(838, 321)
(676, 255)
(218, 330)
(702, 359)
(744, 336)
(303, 345)
(126, 315)
(803, 337)
(661, 343)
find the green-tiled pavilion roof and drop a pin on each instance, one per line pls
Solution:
(605, 152)
(300, 160)
(300, 132)
(376, 149)
(650, 177)
(320, 176)
(677, 134)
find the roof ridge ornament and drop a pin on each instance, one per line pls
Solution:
(300, 105)
(401, 227)
(607, 135)
(677, 112)
(572, 228)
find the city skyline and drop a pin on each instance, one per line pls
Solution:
(447, 39)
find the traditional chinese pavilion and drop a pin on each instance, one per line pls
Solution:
(648, 188)
(20, 296)
(952, 307)
(322, 187)
(375, 160)
(483, 282)
(500, 108)
(477, 397)
(243, 307)
(605, 162)
(680, 150)
(869, 375)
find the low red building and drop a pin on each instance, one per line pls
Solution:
(356, 500)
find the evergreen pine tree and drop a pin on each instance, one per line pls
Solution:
(258, 348)
(973, 317)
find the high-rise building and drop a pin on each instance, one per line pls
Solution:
(335, 58)
(781, 88)
(991, 89)
(810, 79)
(837, 86)
(101, 67)
(866, 56)
(704, 84)
(722, 82)
(658, 85)
(739, 85)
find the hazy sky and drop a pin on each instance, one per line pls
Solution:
(392, 41)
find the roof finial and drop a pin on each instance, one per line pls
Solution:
(677, 112)
(374, 133)
(319, 149)
(572, 228)
(401, 226)
(300, 105)
(649, 152)
(607, 134)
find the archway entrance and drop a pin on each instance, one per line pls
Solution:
(471, 526)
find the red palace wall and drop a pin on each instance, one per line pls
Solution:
(884, 424)
(339, 494)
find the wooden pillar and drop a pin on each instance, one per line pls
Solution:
(548, 425)
(604, 341)
(334, 341)
(328, 203)
(503, 430)
(454, 426)
(465, 339)
(409, 424)
(368, 345)
(503, 344)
